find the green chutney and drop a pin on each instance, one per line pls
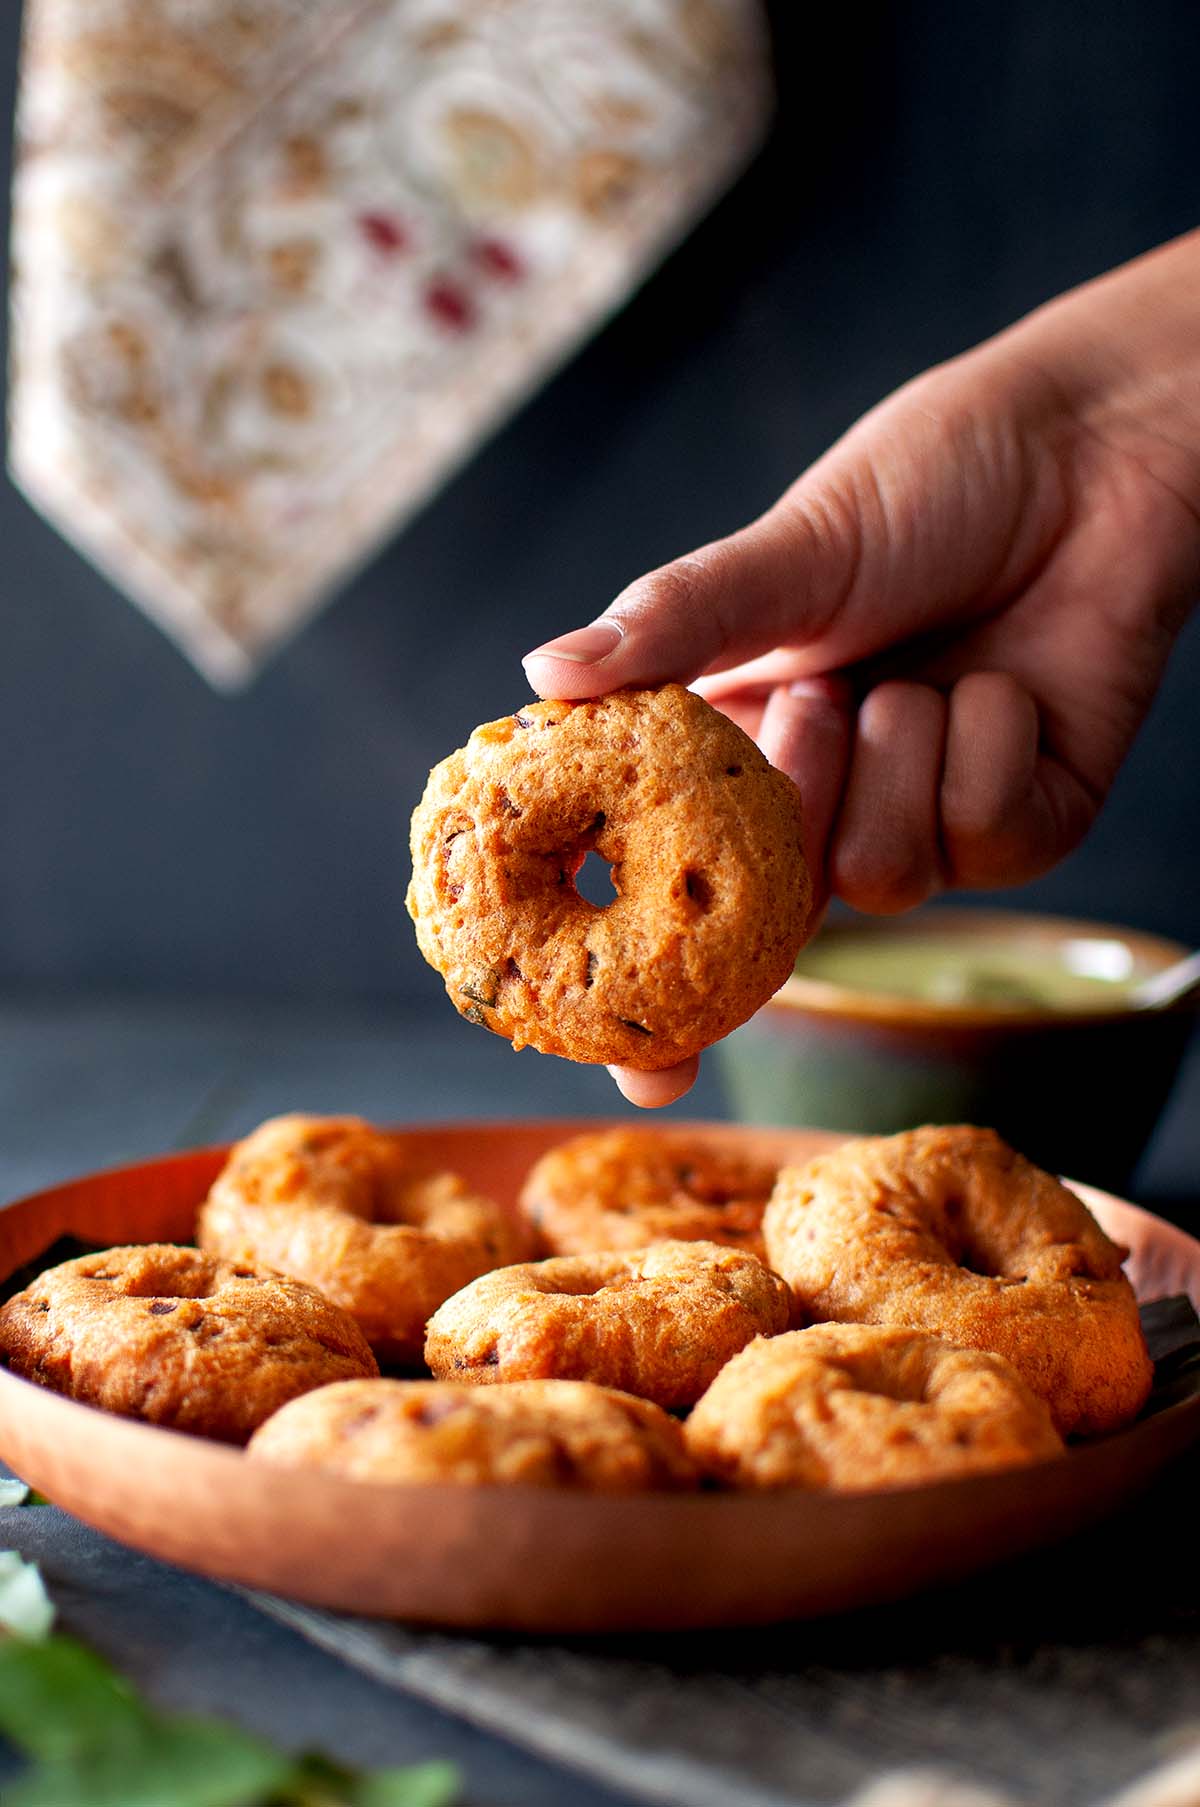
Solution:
(973, 970)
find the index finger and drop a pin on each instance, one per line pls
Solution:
(728, 601)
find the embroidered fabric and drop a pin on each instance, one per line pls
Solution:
(281, 265)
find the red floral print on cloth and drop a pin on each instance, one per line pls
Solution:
(282, 264)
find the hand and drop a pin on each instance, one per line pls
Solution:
(949, 629)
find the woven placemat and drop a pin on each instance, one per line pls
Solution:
(1053, 1682)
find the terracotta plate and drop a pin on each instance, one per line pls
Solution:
(525, 1559)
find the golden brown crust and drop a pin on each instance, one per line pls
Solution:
(180, 1339)
(948, 1230)
(849, 1407)
(627, 1188)
(657, 1322)
(333, 1201)
(541, 1433)
(703, 835)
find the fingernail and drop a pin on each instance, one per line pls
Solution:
(586, 646)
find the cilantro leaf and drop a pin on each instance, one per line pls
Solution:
(93, 1742)
(59, 1701)
(417, 1785)
(176, 1763)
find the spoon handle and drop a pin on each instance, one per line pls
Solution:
(1171, 985)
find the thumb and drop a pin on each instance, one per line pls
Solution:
(777, 579)
(921, 515)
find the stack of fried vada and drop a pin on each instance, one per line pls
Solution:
(949, 1231)
(1034, 1334)
(897, 1311)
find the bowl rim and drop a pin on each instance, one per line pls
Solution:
(803, 996)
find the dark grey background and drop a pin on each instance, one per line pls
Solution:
(937, 170)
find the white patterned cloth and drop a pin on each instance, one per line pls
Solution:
(281, 264)
(1174, 1783)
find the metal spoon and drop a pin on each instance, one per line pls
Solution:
(1168, 987)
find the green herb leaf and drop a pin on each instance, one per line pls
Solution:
(25, 1607)
(319, 1783)
(93, 1742)
(417, 1785)
(58, 1701)
(178, 1763)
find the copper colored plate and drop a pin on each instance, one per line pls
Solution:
(526, 1559)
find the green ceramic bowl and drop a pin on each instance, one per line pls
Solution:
(1078, 1087)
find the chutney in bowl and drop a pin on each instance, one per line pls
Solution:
(1031, 1024)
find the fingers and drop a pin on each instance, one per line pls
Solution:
(756, 677)
(806, 731)
(1009, 809)
(949, 791)
(919, 790)
(650, 1091)
(886, 853)
(776, 579)
(988, 780)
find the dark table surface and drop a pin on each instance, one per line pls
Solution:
(85, 1085)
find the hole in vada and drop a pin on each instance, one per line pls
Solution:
(593, 880)
(582, 1287)
(698, 889)
(974, 1261)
